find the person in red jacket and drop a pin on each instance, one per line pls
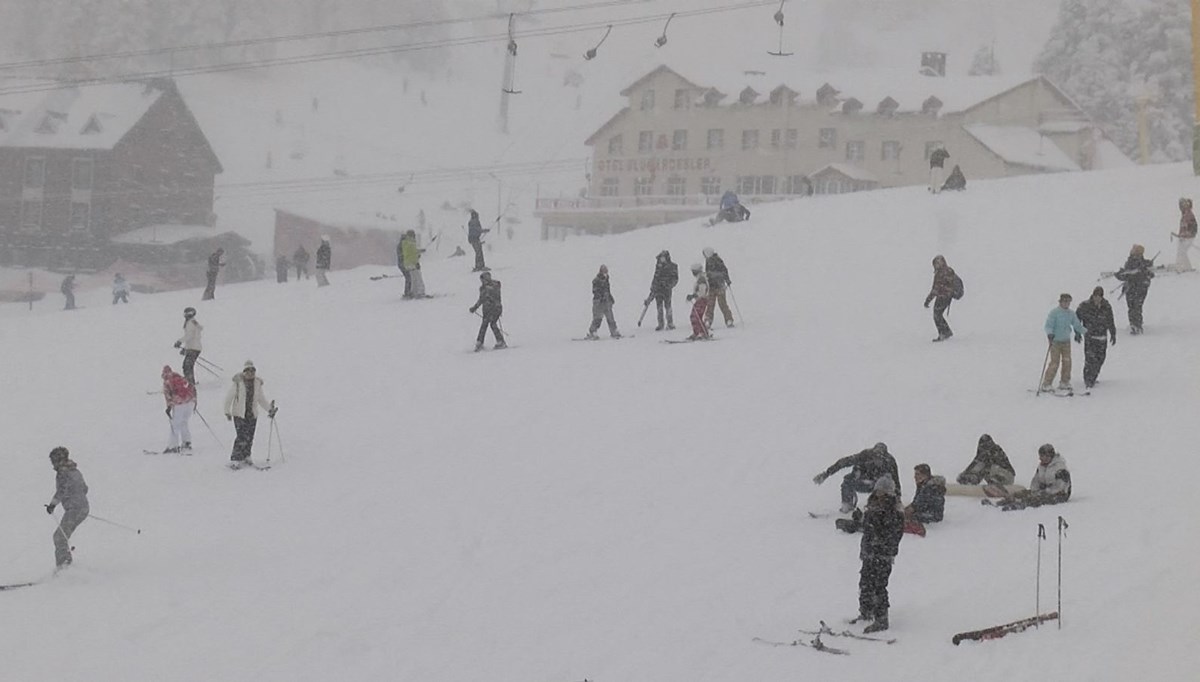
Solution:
(181, 402)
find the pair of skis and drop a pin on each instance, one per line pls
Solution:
(826, 631)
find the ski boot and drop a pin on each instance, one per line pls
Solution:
(478, 346)
(880, 624)
(591, 336)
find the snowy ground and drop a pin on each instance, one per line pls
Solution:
(628, 510)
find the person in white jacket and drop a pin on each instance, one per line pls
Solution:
(189, 344)
(1051, 483)
(700, 303)
(242, 404)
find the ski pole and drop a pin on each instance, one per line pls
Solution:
(114, 523)
(1037, 608)
(209, 363)
(210, 429)
(1045, 363)
(270, 438)
(278, 437)
(733, 298)
(1062, 526)
(210, 370)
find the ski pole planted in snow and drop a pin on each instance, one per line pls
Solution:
(114, 523)
(733, 297)
(1043, 372)
(1062, 526)
(279, 438)
(644, 309)
(1037, 600)
(210, 429)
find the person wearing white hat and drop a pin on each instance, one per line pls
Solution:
(242, 404)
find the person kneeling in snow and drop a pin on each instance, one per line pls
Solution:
(241, 405)
(1051, 483)
(868, 466)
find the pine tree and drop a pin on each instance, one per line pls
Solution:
(984, 63)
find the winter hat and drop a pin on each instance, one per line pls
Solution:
(603, 269)
(249, 365)
(939, 260)
(1098, 291)
(324, 237)
(881, 448)
(697, 268)
(1184, 202)
(1137, 250)
(485, 276)
(59, 454)
(664, 255)
(708, 252)
(1046, 449)
(189, 312)
(885, 484)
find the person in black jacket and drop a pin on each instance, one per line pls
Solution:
(300, 260)
(489, 300)
(214, 266)
(883, 526)
(666, 276)
(68, 289)
(1136, 275)
(867, 467)
(475, 234)
(990, 465)
(929, 502)
(602, 305)
(718, 282)
(324, 262)
(1097, 317)
(941, 293)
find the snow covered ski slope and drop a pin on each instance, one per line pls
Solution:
(621, 511)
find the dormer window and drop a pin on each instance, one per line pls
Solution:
(931, 105)
(827, 95)
(887, 107)
(851, 106)
(49, 124)
(748, 96)
(92, 127)
(782, 95)
(647, 100)
(711, 98)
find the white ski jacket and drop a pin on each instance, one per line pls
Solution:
(191, 335)
(235, 399)
(1052, 480)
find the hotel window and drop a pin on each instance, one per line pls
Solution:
(776, 138)
(610, 187)
(35, 172)
(710, 186)
(31, 215)
(616, 144)
(682, 99)
(855, 150)
(749, 139)
(792, 140)
(756, 184)
(890, 150)
(766, 184)
(647, 100)
(796, 184)
(676, 186)
(716, 138)
(827, 138)
(679, 140)
(643, 187)
(81, 174)
(646, 141)
(81, 214)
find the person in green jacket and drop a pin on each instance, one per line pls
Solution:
(410, 259)
(1059, 325)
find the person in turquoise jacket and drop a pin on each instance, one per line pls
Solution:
(1059, 324)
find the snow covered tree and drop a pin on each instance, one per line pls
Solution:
(984, 63)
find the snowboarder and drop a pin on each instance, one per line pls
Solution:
(242, 401)
(68, 290)
(956, 180)
(937, 168)
(403, 270)
(180, 395)
(70, 490)
(699, 297)
(883, 527)
(990, 465)
(946, 285)
(120, 289)
(1186, 235)
(324, 260)
(1136, 275)
(189, 344)
(718, 282)
(214, 266)
(929, 502)
(281, 269)
(666, 276)
(475, 234)
(1051, 483)
(489, 300)
(1059, 324)
(411, 259)
(867, 467)
(1097, 315)
(300, 260)
(602, 305)
(732, 210)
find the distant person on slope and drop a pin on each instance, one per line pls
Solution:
(1060, 322)
(68, 290)
(937, 168)
(1051, 483)
(718, 282)
(602, 305)
(324, 262)
(242, 401)
(411, 257)
(189, 344)
(732, 210)
(180, 395)
(1136, 275)
(70, 490)
(942, 293)
(475, 234)
(281, 269)
(214, 266)
(866, 467)
(883, 528)
(1186, 235)
(990, 465)
(300, 260)
(1097, 315)
(120, 289)
(403, 270)
(699, 298)
(666, 276)
(489, 300)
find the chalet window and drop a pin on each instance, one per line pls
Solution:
(776, 138)
(81, 174)
(766, 184)
(748, 96)
(931, 146)
(890, 150)
(35, 172)
(679, 140)
(31, 215)
(81, 215)
(756, 184)
(647, 100)
(682, 99)
(716, 138)
(710, 186)
(610, 187)
(92, 127)
(749, 139)
(676, 186)
(855, 150)
(646, 141)
(792, 140)
(643, 187)
(827, 138)
(796, 184)
(616, 144)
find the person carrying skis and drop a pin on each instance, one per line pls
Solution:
(1051, 483)
(666, 276)
(1186, 235)
(242, 403)
(699, 298)
(946, 285)
(489, 300)
(68, 289)
(189, 344)
(214, 266)
(120, 289)
(70, 490)
(1059, 324)
(475, 234)
(866, 467)
(1097, 315)
(883, 527)
(411, 258)
(990, 465)
(929, 502)
(300, 260)
(180, 395)
(602, 306)
(937, 168)
(403, 270)
(1136, 275)
(718, 282)
(324, 261)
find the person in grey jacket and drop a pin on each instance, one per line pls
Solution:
(70, 490)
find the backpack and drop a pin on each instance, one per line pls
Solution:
(957, 291)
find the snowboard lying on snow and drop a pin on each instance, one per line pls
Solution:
(961, 490)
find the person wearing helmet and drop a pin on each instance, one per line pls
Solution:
(1051, 483)
(718, 282)
(666, 276)
(70, 490)
(699, 298)
(1136, 275)
(410, 258)
(242, 404)
(324, 260)
(189, 343)
(1186, 235)
(866, 467)
(180, 395)
(489, 300)
(214, 266)
(602, 305)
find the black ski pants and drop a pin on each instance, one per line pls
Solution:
(478, 246)
(244, 440)
(189, 365)
(662, 302)
(407, 282)
(491, 318)
(940, 305)
(873, 586)
(210, 290)
(1095, 350)
(1135, 298)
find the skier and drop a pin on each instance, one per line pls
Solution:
(937, 168)
(489, 300)
(883, 527)
(867, 467)
(411, 259)
(324, 260)
(602, 305)
(731, 210)
(70, 490)
(300, 260)
(929, 502)
(1051, 483)
(718, 282)
(1186, 235)
(214, 266)
(475, 234)
(1136, 275)
(68, 290)
(942, 292)
(666, 276)
(699, 296)
(1097, 315)
(120, 289)
(242, 401)
(281, 269)
(1059, 324)
(990, 465)
(403, 270)
(180, 395)
(189, 344)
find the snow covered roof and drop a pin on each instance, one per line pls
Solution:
(848, 170)
(1022, 146)
(1109, 155)
(1050, 127)
(164, 234)
(89, 117)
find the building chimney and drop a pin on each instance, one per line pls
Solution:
(933, 64)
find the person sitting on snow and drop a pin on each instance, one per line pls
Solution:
(990, 465)
(732, 210)
(929, 502)
(866, 466)
(1051, 483)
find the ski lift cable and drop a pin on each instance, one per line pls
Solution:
(591, 53)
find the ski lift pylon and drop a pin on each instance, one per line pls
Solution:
(511, 67)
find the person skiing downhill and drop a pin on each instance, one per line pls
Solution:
(242, 404)
(699, 298)
(666, 276)
(718, 282)
(214, 266)
(602, 305)
(866, 467)
(70, 490)
(475, 234)
(189, 344)
(180, 395)
(324, 262)
(411, 260)
(1186, 235)
(1136, 275)
(1059, 324)
(941, 292)
(883, 528)
(490, 301)
(1097, 316)
(990, 465)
